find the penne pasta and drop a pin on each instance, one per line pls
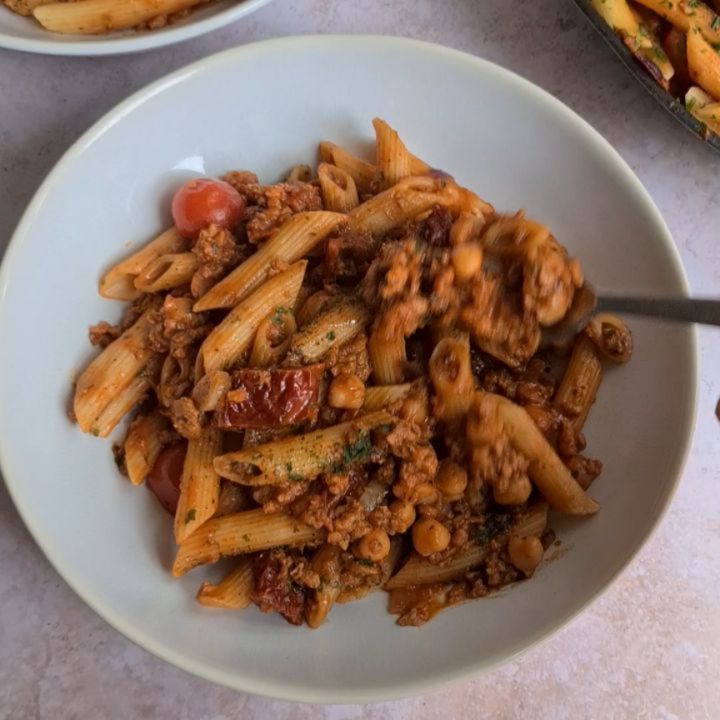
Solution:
(210, 390)
(312, 307)
(143, 445)
(25, 7)
(199, 485)
(303, 457)
(338, 323)
(88, 17)
(387, 356)
(118, 283)
(233, 592)
(327, 564)
(611, 337)
(395, 161)
(226, 344)
(119, 406)
(299, 173)
(578, 388)
(272, 338)
(452, 378)
(167, 272)
(291, 242)
(338, 188)
(404, 201)
(420, 571)
(118, 365)
(367, 177)
(382, 396)
(241, 533)
(546, 469)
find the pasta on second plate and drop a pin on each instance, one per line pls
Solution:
(346, 381)
(97, 17)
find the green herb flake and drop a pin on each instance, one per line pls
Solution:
(190, 515)
(493, 526)
(715, 24)
(95, 432)
(690, 104)
(330, 335)
(277, 318)
(365, 562)
(291, 475)
(358, 451)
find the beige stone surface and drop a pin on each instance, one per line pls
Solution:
(649, 648)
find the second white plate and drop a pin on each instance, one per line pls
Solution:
(23, 33)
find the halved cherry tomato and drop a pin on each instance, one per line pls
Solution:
(164, 478)
(270, 398)
(203, 201)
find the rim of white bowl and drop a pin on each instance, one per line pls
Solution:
(269, 688)
(116, 44)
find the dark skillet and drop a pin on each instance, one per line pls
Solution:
(674, 106)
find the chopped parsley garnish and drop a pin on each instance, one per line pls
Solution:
(715, 24)
(293, 476)
(690, 104)
(330, 335)
(356, 452)
(190, 515)
(277, 318)
(493, 526)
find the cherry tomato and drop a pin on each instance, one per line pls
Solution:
(203, 201)
(271, 398)
(164, 478)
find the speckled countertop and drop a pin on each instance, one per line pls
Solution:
(650, 648)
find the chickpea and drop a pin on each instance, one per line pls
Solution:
(516, 492)
(452, 479)
(374, 546)
(425, 494)
(467, 261)
(347, 391)
(430, 536)
(402, 515)
(525, 553)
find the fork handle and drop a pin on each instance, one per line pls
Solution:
(704, 311)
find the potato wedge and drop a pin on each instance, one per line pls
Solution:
(703, 63)
(684, 14)
(638, 39)
(701, 106)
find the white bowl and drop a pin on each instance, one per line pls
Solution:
(496, 133)
(23, 33)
